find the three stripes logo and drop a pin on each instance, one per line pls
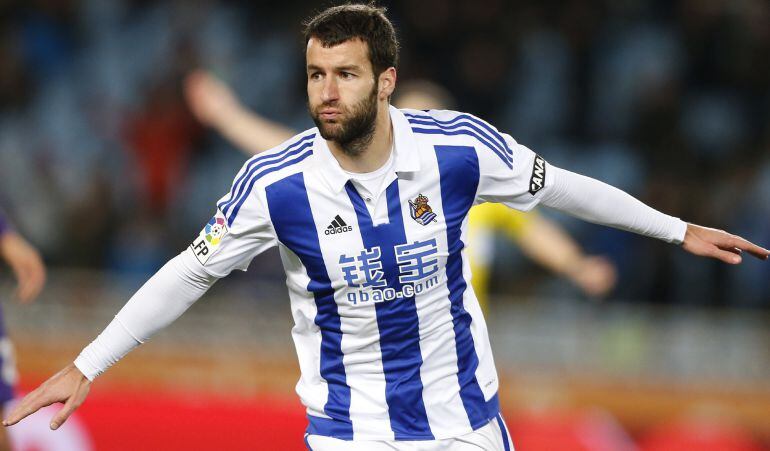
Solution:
(337, 226)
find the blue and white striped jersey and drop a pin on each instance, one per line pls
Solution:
(391, 341)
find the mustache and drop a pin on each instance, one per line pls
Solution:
(335, 104)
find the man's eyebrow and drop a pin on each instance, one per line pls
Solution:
(347, 67)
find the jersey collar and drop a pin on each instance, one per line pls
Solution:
(406, 156)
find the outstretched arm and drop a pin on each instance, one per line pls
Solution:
(161, 300)
(24, 260)
(215, 105)
(597, 202)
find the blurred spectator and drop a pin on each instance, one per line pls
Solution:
(160, 138)
(668, 100)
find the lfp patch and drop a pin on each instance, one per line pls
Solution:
(209, 238)
(215, 230)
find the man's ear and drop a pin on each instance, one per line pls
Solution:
(387, 83)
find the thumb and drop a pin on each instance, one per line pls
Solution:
(73, 402)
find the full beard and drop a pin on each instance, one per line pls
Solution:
(356, 133)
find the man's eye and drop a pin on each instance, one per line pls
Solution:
(315, 76)
(347, 75)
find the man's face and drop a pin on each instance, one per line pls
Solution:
(342, 90)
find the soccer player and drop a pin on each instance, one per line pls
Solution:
(29, 271)
(369, 212)
(545, 242)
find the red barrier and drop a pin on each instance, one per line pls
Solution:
(129, 421)
(591, 430)
(702, 434)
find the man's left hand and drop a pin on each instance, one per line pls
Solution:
(719, 244)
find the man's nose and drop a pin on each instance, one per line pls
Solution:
(330, 92)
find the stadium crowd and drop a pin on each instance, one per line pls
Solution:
(103, 166)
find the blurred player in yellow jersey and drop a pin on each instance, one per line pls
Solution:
(539, 239)
(215, 105)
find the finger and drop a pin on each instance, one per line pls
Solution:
(751, 248)
(29, 405)
(75, 400)
(64, 413)
(725, 256)
(727, 241)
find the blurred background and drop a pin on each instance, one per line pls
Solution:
(105, 170)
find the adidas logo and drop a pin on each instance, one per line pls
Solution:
(337, 226)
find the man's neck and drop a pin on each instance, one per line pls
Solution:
(376, 153)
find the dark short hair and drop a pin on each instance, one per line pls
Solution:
(367, 22)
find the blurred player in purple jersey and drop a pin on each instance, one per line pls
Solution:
(29, 271)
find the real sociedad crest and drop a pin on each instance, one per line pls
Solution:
(421, 211)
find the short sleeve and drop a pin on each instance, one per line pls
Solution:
(239, 230)
(510, 173)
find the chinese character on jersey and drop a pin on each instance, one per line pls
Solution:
(417, 260)
(366, 266)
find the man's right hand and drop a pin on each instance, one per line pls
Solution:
(68, 386)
